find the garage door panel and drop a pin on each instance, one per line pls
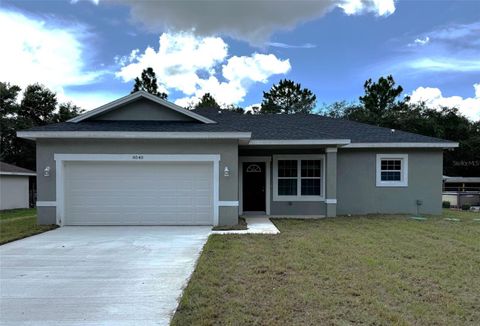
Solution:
(138, 193)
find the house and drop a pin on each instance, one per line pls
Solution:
(141, 160)
(459, 191)
(14, 186)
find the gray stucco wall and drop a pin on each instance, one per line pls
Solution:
(13, 192)
(357, 192)
(285, 208)
(228, 150)
(143, 109)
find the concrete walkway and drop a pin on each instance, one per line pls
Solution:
(255, 225)
(97, 275)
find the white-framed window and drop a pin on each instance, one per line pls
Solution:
(298, 177)
(392, 170)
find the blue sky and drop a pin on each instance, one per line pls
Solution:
(83, 49)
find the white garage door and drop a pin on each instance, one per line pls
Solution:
(138, 193)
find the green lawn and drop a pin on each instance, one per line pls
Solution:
(20, 223)
(373, 270)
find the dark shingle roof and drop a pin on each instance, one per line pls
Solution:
(6, 168)
(265, 127)
(311, 126)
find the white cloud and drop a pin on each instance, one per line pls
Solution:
(194, 65)
(452, 48)
(420, 41)
(470, 106)
(378, 7)
(291, 46)
(445, 64)
(37, 51)
(95, 2)
(252, 21)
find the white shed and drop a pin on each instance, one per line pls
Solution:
(14, 186)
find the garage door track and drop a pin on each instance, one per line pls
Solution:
(97, 275)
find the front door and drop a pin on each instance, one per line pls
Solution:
(254, 186)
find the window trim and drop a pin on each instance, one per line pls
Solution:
(299, 196)
(403, 172)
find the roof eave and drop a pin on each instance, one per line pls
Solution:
(33, 135)
(404, 145)
(275, 142)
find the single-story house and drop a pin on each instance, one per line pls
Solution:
(141, 160)
(14, 186)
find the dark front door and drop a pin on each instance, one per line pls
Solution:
(254, 186)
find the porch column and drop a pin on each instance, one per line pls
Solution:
(331, 181)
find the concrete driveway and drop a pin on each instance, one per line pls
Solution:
(97, 275)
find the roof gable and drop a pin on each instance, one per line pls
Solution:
(141, 106)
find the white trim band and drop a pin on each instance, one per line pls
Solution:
(331, 150)
(133, 135)
(299, 142)
(402, 145)
(46, 203)
(330, 201)
(228, 203)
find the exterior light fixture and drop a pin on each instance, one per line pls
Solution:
(46, 171)
(226, 172)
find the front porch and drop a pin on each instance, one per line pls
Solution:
(286, 181)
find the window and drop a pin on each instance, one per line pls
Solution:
(298, 178)
(392, 170)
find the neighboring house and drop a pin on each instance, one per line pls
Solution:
(141, 160)
(14, 186)
(459, 191)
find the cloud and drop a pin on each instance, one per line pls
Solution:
(251, 21)
(452, 48)
(445, 64)
(291, 46)
(95, 2)
(48, 52)
(470, 106)
(420, 41)
(194, 65)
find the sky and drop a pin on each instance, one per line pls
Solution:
(89, 52)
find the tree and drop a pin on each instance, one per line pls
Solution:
(234, 108)
(38, 107)
(207, 101)
(148, 82)
(67, 111)
(288, 97)
(379, 104)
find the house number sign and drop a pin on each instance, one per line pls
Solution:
(137, 157)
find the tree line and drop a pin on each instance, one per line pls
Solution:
(382, 104)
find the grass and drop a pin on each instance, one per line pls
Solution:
(371, 270)
(20, 223)
(242, 225)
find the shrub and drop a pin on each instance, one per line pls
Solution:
(446, 204)
(465, 207)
